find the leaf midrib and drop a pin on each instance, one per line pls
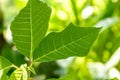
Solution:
(61, 47)
(31, 51)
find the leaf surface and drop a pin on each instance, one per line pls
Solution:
(73, 41)
(29, 26)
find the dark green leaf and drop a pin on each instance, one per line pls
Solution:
(73, 41)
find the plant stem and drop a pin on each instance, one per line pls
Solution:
(29, 64)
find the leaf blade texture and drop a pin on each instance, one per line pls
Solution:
(72, 41)
(30, 26)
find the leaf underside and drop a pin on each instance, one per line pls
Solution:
(73, 41)
(30, 26)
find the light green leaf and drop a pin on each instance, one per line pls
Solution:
(19, 74)
(73, 41)
(30, 26)
(5, 65)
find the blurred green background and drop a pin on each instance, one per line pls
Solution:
(103, 60)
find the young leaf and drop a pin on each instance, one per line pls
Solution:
(5, 65)
(73, 41)
(32, 70)
(30, 26)
(19, 74)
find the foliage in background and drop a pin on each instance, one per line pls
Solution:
(102, 60)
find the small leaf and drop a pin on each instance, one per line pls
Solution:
(5, 65)
(19, 74)
(30, 26)
(32, 70)
(73, 41)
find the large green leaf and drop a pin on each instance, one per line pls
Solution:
(5, 65)
(73, 41)
(30, 26)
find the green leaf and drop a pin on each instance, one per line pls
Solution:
(32, 70)
(30, 26)
(5, 65)
(73, 41)
(19, 74)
